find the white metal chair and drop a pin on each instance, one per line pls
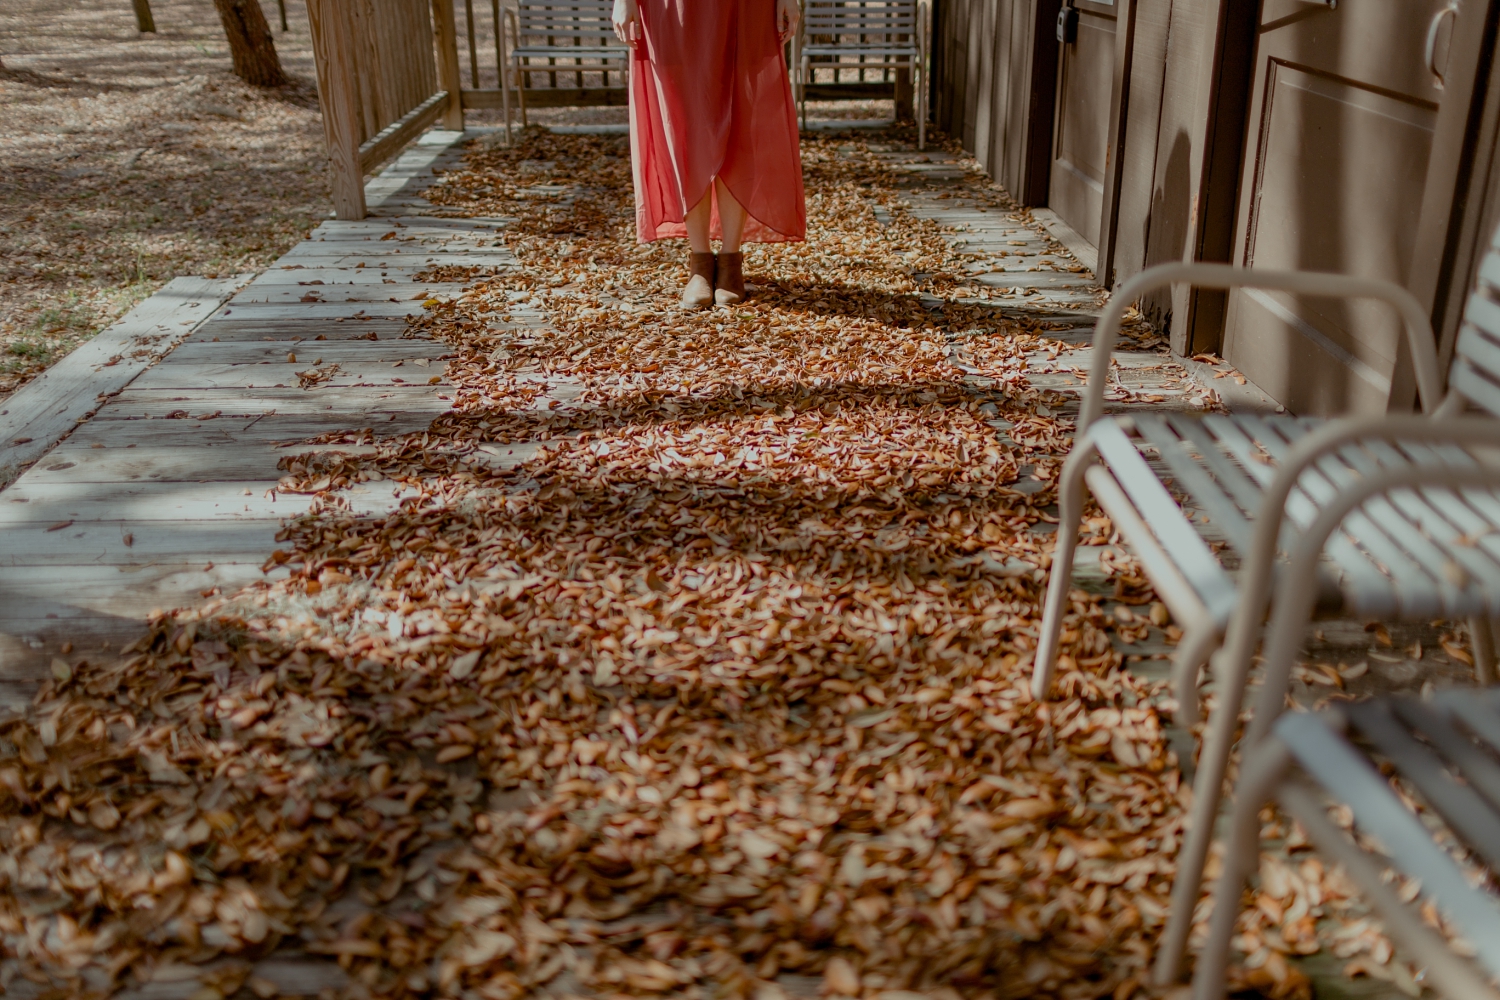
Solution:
(1382, 517)
(1446, 751)
(853, 35)
(579, 31)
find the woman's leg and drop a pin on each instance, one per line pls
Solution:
(702, 265)
(697, 225)
(731, 218)
(729, 285)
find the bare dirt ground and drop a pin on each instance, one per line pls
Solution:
(130, 159)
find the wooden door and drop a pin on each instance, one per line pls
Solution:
(1080, 138)
(1341, 124)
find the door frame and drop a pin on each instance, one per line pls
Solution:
(1041, 113)
(1114, 153)
(1449, 239)
(1220, 132)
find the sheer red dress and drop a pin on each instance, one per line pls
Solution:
(709, 97)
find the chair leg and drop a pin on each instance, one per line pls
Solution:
(1262, 772)
(505, 100)
(1289, 617)
(521, 95)
(803, 89)
(921, 102)
(1208, 786)
(1482, 640)
(1192, 652)
(1070, 515)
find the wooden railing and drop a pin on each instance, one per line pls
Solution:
(387, 70)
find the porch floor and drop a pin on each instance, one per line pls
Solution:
(490, 627)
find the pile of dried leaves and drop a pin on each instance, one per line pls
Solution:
(716, 683)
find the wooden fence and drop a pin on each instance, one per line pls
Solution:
(387, 70)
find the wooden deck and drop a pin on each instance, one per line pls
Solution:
(167, 489)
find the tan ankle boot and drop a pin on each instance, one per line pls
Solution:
(699, 293)
(729, 285)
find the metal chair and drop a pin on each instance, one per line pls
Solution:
(1446, 751)
(578, 30)
(864, 35)
(1425, 543)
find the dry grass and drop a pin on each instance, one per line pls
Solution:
(131, 159)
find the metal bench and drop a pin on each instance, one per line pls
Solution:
(581, 32)
(1382, 517)
(1446, 751)
(859, 35)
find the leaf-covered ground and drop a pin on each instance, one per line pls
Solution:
(720, 691)
(131, 159)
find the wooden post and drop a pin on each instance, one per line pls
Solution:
(281, 4)
(143, 19)
(333, 52)
(450, 78)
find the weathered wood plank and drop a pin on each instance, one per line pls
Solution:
(359, 406)
(375, 275)
(191, 376)
(53, 503)
(242, 431)
(311, 329)
(320, 310)
(251, 352)
(38, 415)
(103, 543)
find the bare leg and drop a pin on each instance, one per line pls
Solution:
(697, 225)
(731, 218)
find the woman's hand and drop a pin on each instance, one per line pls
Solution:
(788, 13)
(627, 21)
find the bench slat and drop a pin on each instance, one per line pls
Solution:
(1161, 513)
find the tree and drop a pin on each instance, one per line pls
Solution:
(250, 44)
(143, 19)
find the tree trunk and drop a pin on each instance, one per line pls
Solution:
(250, 44)
(143, 19)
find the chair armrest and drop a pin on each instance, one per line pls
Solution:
(1224, 276)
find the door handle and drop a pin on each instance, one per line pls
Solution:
(1433, 30)
(1067, 25)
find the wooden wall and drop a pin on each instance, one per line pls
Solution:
(996, 65)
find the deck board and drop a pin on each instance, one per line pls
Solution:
(182, 459)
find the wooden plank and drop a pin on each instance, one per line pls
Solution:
(309, 352)
(53, 503)
(333, 53)
(372, 277)
(405, 225)
(320, 310)
(398, 291)
(296, 330)
(244, 430)
(103, 543)
(39, 414)
(168, 461)
(190, 377)
(360, 405)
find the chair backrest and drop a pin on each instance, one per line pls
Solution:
(569, 22)
(867, 19)
(1475, 373)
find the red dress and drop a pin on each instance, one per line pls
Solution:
(709, 97)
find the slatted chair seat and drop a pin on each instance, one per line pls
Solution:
(1385, 517)
(1448, 753)
(573, 36)
(864, 35)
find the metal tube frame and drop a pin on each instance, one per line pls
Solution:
(1293, 609)
(1265, 776)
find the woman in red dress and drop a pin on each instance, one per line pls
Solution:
(713, 132)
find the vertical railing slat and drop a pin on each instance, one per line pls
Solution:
(334, 47)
